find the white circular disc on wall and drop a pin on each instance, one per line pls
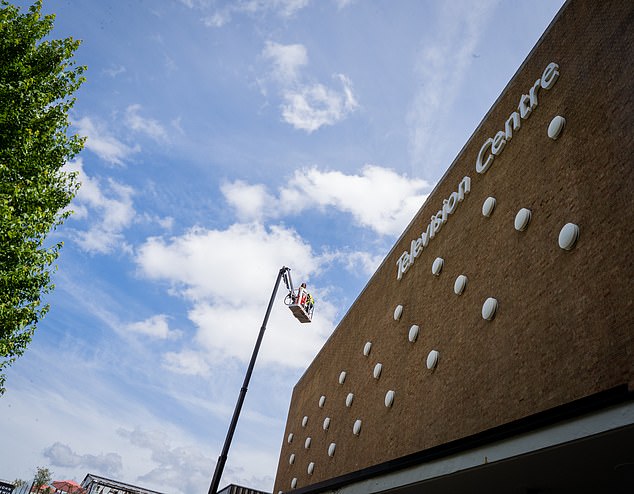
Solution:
(398, 312)
(342, 377)
(322, 401)
(331, 449)
(522, 218)
(377, 370)
(305, 421)
(488, 206)
(294, 483)
(290, 437)
(437, 265)
(460, 284)
(568, 236)
(311, 468)
(432, 359)
(556, 126)
(349, 399)
(489, 308)
(326, 423)
(367, 348)
(413, 333)
(307, 443)
(389, 398)
(356, 428)
(291, 459)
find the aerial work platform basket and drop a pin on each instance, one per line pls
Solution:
(301, 303)
(301, 313)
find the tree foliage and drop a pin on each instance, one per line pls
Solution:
(37, 80)
(43, 477)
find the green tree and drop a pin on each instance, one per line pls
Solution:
(37, 80)
(43, 477)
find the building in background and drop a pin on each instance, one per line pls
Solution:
(94, 484)
(493, 349)
(238, 489)
(6, 487)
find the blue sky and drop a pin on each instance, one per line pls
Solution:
(224, 140)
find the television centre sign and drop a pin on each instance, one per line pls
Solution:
(490, 149)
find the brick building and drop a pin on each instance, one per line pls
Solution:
(494, 346)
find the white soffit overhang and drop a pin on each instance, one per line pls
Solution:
(606, 420)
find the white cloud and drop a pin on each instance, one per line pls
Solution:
(102, 143)
(227, 276)
(286, 60)
(343, 3)
(356, 261)
(183, 468)
(177, 125)
(441, 69)
(281, 8)
(154, 327)
(226, 332)
(288, 8)
(187, 362)
(166, 222)
(71, 424)
(230, 265)
(307, 105)
(313, 106)
(112, 207)
(217, 19)
(251, 202)
(109, 148)
(256, 468)
(61, 455)
(114, 70)
(378, 198)
(147, 126)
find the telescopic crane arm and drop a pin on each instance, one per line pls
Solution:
(288, 281)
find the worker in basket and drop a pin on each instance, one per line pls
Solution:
(300, 302)
(305, 299)
(310, 303)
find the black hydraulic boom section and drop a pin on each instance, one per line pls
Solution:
(304, 303)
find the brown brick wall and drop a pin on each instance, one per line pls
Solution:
(564, 328)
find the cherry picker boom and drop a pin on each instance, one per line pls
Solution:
(301, 304)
